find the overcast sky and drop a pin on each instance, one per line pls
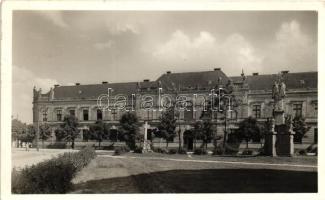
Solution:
(89, 47)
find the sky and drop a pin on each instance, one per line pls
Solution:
(88, 47)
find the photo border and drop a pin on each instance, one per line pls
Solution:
(145, 5)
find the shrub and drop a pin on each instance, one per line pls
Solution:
(218, 150)
(164, 151)
(51, 176)
(117, 152)
(121, 149)
(302, 152)
(200, 152)
(247, 152)
(182, 151)
(57, 145)
(232, 148)
(172, 151)
(138, 150)
(109, 147)
(160, 150)
(261, 151)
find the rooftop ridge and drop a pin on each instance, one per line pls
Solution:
(274, 74)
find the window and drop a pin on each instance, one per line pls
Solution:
(316, 106)
(99, 114)
(72, 112)
(114, 114)
(297, 109)
(233, 114)
(148, 114)
(85, 114)
(44, 116)
(59, 115)
(257, 111)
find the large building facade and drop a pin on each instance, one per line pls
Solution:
(147, 98)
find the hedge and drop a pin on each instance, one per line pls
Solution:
(51, 176)
(200, 151)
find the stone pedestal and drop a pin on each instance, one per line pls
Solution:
(146, 142)
(279, 117)
(284, 138)
(269, 144)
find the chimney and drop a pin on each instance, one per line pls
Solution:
(217, 69)
(146, 80)
(169, 72)
(284, 72)
(56, 85)
(255, 74)
(77, 83)
(104, 82)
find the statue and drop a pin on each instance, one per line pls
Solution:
(278, 94)
(36, 94)
(282, 90)
(275, 91)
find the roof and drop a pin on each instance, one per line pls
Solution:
(94, 90)
(292, 80)
(204, 79)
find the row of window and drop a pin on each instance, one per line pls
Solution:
(296, 108)
(85, 114)
(256, 112)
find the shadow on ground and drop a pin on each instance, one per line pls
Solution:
(206, 181)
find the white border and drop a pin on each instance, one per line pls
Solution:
(6, 81)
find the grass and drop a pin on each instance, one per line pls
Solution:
(136, 175)
(207, 181)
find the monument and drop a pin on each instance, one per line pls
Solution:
(279, 141)
(146, 142)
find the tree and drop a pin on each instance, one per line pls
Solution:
(68, 131)
(300, 128)
(27, 135)
(59, 134)
(203, 130)
(265, 128)
(248, 129)
(99, 131)
(207, 132)
(197, 131)
(167, 126)
(17, 129)
(129, 127)
(224, 101)
(44, 133)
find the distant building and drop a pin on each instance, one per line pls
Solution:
(253, 90)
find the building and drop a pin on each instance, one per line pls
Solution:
(254, 92)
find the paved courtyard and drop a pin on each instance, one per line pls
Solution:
(21, 157)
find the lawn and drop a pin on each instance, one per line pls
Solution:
(148, 173)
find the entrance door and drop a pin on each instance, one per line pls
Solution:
(189, 143)
(149, 134)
